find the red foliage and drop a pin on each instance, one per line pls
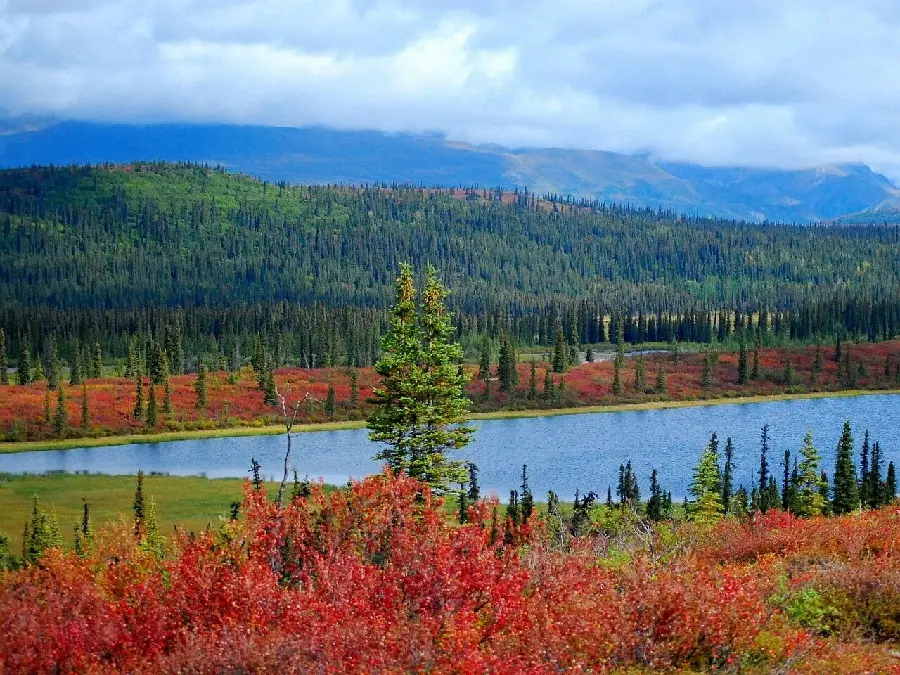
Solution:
(375, 579)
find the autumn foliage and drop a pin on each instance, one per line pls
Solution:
(375, 578)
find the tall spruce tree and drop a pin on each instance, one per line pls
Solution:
(532, 381)
(811, 489)
(654, 503)
(138, 396)
(200, 386)
(420, 405)
(743, 375)
(96, 362)
(4, 374)
(527, 503)
(152, 415)
(875, 488)
(23, 366)
(845, 485)
(330, 402)
(763, 485)
(864, 478)
(890, 485)
(61, 419)
(560, 362)
(728, 475)
(706, 507)
(85, 411)
(75, 372)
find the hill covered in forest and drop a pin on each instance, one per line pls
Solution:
(183, 235)
(326, 156)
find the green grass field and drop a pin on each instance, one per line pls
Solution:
(191, 502)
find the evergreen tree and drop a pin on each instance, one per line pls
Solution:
(838, 357)
(818, 363)
(23, 367)
(810, 486)
(826, 503)
(845, 487)
(728, 475)
(463, 508)
(532, 381)
(705, 487)
(764, 504)
(654, 503)
(661, 388)
(617, 377)
(152, 417)
(787, 375)
(706, 378)
(354, 389)
(137, 506)
(754, 374)
(786, 482)
(75, 376)
(330, 403)
(48, 414)
(484, 362)
(875, 488)
(61, 420)
(421, 402)
(131, 361)
(4, 374)
(559, 352)
(270, 392)
(555, 526)
(138, 396)
(743, 375)
(167, 398)
(97, 362)
(527, 497)
(41, 534)
(589, 355)
(506, 366)
(864, 478)
(474, 491)
(51, 365)
(38, 374)
(890, 485)
(640, 375)
(200, 386)
(85, 412)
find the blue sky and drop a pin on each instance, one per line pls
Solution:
(769, 83)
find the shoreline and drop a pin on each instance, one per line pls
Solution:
(273, 430)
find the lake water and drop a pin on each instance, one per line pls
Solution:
(563, 452)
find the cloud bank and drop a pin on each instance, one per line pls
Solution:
(767, 83)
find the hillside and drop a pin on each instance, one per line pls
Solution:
(326, 156)
(164, 235)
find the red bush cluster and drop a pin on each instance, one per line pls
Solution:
(375, 578)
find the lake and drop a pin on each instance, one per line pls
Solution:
(563, 452)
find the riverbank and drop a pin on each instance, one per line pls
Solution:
(226, 432)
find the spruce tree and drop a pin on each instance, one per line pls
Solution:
(138, 396)
(85, 411)
(131, 360)
(548, 385)
(559, 352)
(818, 363)
(167, 398)
(706, 378)
(743, 376)
(61, 420)
(890, 485)
(75, 375)
(810, 498)
(875, 489)
(152, 417)
(4, 374)
(754, 374)
(97, 362)
(38, 374)
(640, 375)
(661, 388)
(506, 366)
(421, 403)
(41, 534)
(330, 403)
(706, 489)
(23, 366)
(48, 414)
(864, 478)
(845, 486)
(728, 475)
(137, 506)
(763, 485)
(527, 498)
(354, 389)
(786, 482)
(654, 503)
(463, 508)
(617, 377)
(589, 354)
(200, 386)
(532, 381)
(474, 492)
(51, 367)
(484, 362)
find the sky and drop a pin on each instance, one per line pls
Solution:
(782, 83)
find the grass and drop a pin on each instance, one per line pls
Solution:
(191, 502)
(66, 444)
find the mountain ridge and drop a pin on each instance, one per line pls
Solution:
(319, 155)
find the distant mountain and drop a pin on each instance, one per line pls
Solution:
(319, 155)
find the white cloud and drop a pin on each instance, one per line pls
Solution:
(766, 83)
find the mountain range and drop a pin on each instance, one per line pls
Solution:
(317, 155)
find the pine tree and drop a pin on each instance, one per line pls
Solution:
(270, 393)
(764, 504)
(484, 362)
(743, 376)
(61, 420)
(51, 367)
(330, 403)
(137, 506)
(152, 417)
(810, 499)
(818, 363)
(463, 507)
(589, 355)
(23, 367)
(138, 396)
(506, 366)
(38, 374)
(527, 497)
(421, 402)
(4, 374)
(640, 375)
(786, 482)
(654, 503)
(559, 352)
(474, 493)
(167, 398)
(85, 412)
(706, 378)
(97, 362)
(48, 414)
(548, 385)
(354, 389)
(41, 534)
(661, 388)
(705, 487)
(876, 484)
(845, 488)
(728, 475)
(153, 540)
(200, 386)
(754, 374)
(890, 485)
(864, 477)
(75, 376)
(617, 377)
(532, 381)
(131, 361)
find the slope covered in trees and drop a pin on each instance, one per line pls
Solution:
(99, 253)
